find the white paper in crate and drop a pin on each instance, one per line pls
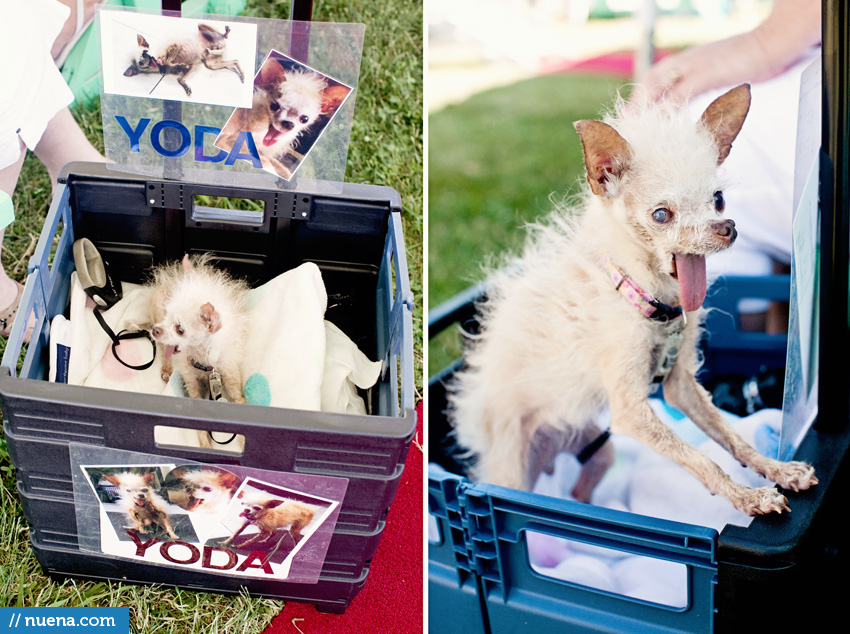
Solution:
(293, 357)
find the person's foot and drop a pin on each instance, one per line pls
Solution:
(10, 296)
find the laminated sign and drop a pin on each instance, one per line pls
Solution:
(212, 518)
(200, 97)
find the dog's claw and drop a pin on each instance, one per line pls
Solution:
(796, 476)
(763, 501)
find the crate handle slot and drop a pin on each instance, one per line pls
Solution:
(185, 437)
(229, 210)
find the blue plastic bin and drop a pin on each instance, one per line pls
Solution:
(480, 577)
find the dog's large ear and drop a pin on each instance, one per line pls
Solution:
(210, 317)
(273, 503)
(725, 116)
(131, 71)
(270, 72)
(142, 41)
(149, 478)
(187, 265)
(332, 98)
(606, 154)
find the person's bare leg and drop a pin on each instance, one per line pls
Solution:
(62, 142)
(8, 181)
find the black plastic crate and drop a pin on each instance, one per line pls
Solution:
(355, 239)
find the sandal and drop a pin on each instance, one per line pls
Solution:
(94, 274)
(8, 318)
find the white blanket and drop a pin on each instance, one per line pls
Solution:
(643, 482)
(293, 357)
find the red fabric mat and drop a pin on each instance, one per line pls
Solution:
(391, 601)
(619, 64)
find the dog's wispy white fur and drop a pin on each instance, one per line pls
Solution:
(200, 316)
(558, 343)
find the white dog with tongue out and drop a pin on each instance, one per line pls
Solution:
(604, 303)
(201, 322)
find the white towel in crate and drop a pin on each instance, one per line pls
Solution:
(293, 357)
(646, 483)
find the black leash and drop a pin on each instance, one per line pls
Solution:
(123, 336)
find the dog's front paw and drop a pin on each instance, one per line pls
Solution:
(762, 501)
(797, 476)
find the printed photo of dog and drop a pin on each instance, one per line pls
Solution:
(205, 490)
(200, 321)
(268, 515)
(605, 303)
(291, 108)
(179, 59)
(132, 500)
(273, 519)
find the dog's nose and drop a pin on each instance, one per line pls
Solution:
(725, 230)
(286, 124)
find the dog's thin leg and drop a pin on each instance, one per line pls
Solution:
(216, 63)
(232, 379)
(230, 539)
(167, 526)
(251, 540)
(682, 391)
(596, 466)
(632, 414)
(167, 369)
(182, 81)
(549, 441)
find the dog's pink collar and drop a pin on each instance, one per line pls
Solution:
(645, 304)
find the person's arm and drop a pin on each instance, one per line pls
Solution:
(763, 53)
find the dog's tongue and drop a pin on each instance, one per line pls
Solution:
(690, 271)
(193, 504)
(169, 350)
(271, 136)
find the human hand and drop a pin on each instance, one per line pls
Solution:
(684, 75)
(792, 27)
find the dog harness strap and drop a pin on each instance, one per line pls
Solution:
(587, 453)
(646, 305)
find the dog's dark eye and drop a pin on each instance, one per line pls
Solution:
(719, 203)
(275, 106)
(662, 215)
(304, 118)
(179, 330)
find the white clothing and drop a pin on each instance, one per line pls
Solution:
(32, 89)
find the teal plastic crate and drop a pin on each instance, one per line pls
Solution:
(480, 576)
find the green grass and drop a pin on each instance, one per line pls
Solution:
(493, 163)
(386, 149)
